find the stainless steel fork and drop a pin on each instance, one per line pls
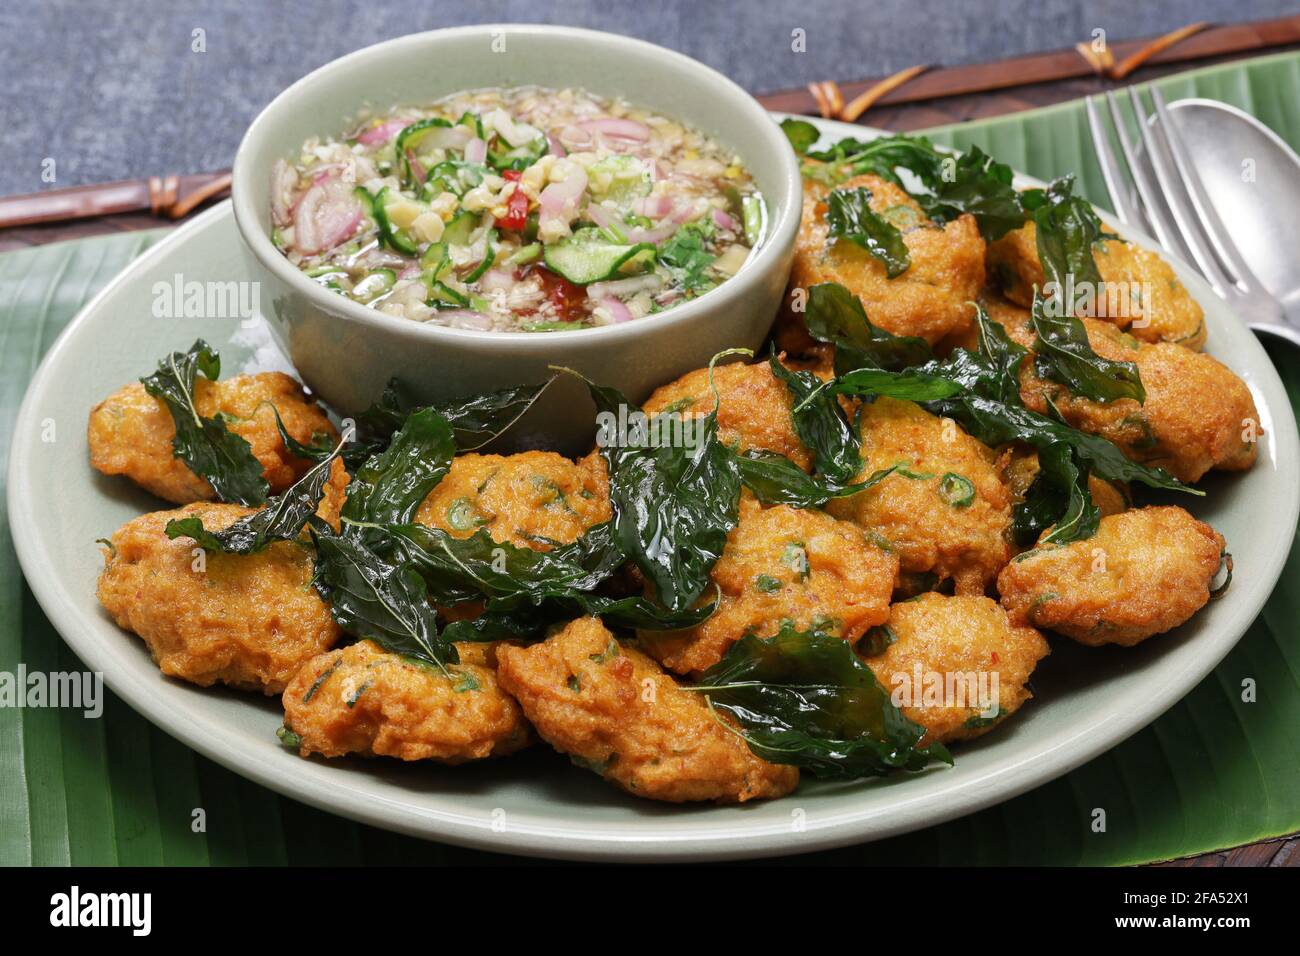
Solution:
(1176, 208)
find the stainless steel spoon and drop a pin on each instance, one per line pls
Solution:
(1252, 178)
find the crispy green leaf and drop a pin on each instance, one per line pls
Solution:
(776, 480)
(206, 446)
(475, 420)
(804, 698)
(390, 486)
(995, 372)
(800, 133)
(1058, 496)
(673, 505)
(1067, 226)
(835, 315)
(1062, 353)
(911, 384)
(282, 519)
(462, 569)
(376, 599)
(950, 185)
(850, 216)
(821, 425)
(995, 423)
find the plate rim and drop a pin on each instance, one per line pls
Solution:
(730, 840)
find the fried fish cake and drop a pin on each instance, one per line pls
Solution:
(753, 408)
(1197, 415)
(364, 700)
(530, 499)
(130, 432)
(930, 299)
(784, 564)
(945, 510)
(614, 711)
(1141, 292)
(957, 666)
(1142, 573)
(249, 621)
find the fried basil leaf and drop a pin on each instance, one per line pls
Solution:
(1067, 226)
(805, 699)
(475, 420)
(850, 216)
(978, 185)
(320, 449)
(995, 423)
(1059, 496)
(950, 184)
(525, 591)
(374, 598)
(835, 315)
(1062, 353)
(207, 447)
(463, 569)
(673, 505)
(776, 480)
(390, 486)
(821, 425)
(282, 519)
(800, 133)
(911, 384)
(995, 372)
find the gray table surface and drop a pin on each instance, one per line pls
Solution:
(111, 90)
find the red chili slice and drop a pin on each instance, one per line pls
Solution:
(566, 297)
(516, 217)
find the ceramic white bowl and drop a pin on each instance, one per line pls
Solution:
(346, 352)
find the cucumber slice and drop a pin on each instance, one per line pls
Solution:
(587, 256)
(377, 283)
(460, 229)
(435, 263)
(443, 296)
(409, 139)
(755, 214)
(488, 258)
(395, 239)
(619, 178)
(524, 254)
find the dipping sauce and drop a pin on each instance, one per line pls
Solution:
(522, 209)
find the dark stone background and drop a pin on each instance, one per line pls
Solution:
(111, 89)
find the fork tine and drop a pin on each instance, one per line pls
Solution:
(1126, 210)
(1184, 215)
(1155, 210)
(1205, 210)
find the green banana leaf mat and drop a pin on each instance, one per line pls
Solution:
(1213, 772)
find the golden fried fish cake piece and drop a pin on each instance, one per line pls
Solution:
(1197, 415)
(973, 664)
(364, 700)
(1144, 572)
(613, 710)
(931, 299)
(754, 409)
(335, 494)
(528, 499)
(945, 511)
(784, 564)
(130, 432)
(249, 621)
(1144, 294)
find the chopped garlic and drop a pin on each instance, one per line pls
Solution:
(428, 227)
